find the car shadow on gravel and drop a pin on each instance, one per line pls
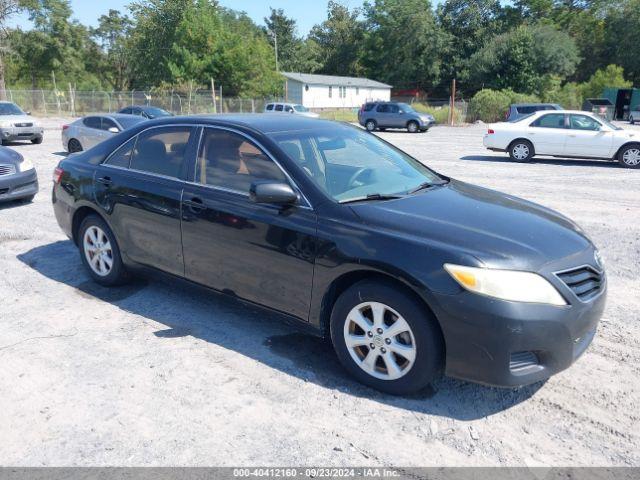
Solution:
(189, 310)
(564, 162)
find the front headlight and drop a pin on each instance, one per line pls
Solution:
(512, 285)
(25, 165)
(6, 124)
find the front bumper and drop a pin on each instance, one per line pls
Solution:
(19, 185)
(12, 134)
(510, 344)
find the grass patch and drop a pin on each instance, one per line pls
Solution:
(342, 115)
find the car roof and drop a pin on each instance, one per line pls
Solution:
(534, 104)
(114, 116)
(581, 112)
(262, 122)
(142, 107)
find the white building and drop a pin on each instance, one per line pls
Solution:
(329, 91)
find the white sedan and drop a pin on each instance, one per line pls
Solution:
(566, 133)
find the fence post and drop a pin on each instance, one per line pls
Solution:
(253, 106)
(44, 102)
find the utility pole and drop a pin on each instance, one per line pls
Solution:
(274, 34)
(213, 95)
(453, 102)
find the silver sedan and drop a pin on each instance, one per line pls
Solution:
(93, 129)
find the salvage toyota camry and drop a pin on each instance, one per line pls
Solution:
(408, 272)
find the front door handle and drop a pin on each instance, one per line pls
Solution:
(105, 180)
(195, 204)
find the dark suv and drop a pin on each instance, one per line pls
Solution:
(383, 115)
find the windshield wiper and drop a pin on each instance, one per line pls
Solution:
(425, 186)
(371, 196)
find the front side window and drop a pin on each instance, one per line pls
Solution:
(348, 163)
(383, 108)
(161, 151)
(93, 122)
(393, 109)
(288, 109)
(583, 122)
(229, 160)
(108, 124)
(552, 120)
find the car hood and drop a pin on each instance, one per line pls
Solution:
(627, 134)
(500, 230)
(9, 156)
(18, 119)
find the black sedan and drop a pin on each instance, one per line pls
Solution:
(18, 178)
(146, 111)
(410, 273)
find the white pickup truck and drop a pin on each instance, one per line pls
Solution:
(634, 115)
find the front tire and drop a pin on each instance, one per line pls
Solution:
(386, 338)
(37, 140)
(521, 151)
(629, 156)
(413, 127)
(100, 252)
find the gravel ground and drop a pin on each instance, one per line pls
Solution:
(162, 374)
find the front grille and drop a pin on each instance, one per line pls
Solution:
(24, 124)
(7, 169)
(521, 361)
(585, 282)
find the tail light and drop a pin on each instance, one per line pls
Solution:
(57, 175)
(64, 127)
(491, 131)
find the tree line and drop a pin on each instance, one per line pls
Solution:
(531, 47)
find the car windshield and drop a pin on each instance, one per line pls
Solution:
(406, 107)
(300, 108)
(10, 109)
(348, 163)
(155, 112)
(128, 122)
(609, 124)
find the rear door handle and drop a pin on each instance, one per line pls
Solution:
(105, 180)
(195, 204)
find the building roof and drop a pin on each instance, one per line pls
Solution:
(334, 80)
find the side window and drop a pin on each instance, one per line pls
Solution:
(552, 120)
(92, 122)
(126, 111)
(227, 159)
(369, 106)
(393, 109)
(383, 108)
(288, 109)
(161, 151)
(330, 91)
(107, 123)
(278, 108)
(582, 122)
(270, 107)
(525, 110)
(122, 156)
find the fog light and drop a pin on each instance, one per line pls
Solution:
(523, 362)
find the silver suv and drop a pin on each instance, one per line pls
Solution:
(383, 115)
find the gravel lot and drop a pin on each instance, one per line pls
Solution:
(163, 374)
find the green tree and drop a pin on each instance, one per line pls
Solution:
(8, 8)
(294, 53)
(339, 41)
(622, 34)
(403, 43)
(112, 32)
(611, 76)
(523, 58)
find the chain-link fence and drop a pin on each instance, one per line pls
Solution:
(78, 103)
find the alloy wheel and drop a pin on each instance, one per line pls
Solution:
(380, 341)
(631, 157)
(371, 125)
(412, 127)
(520, 151)
(98, 251)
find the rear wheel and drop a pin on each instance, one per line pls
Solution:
(413, 127)
(631, 121)
(385, 338)
(370, 125)
(100, 253)
(521, 151)
(629, 156)
(74, 146)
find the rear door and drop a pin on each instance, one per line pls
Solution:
(140, 187)
(548, 134)
(587, 137)
(91, 132)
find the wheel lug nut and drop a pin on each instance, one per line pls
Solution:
(383, 350)
(388, 341)
(379, 330)
(372, 346)
(370, 334)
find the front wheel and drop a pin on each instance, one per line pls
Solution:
(386, 338)
(37, 140)
(413, 127)
(629, 156)
(521, 151)
(100, 253)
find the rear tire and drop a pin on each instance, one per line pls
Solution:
(629, 156)
(413, 127)
(398, 350)
(631, 121)
(37, 141)
(100, 253)
(521, 151)
(74, 146)
(370, 125)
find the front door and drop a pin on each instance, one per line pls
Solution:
(587, 137)
(260, 252)
(140, 188)
(548, 134)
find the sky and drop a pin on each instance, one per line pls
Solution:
(307, 13)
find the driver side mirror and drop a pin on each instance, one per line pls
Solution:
(273, 192)
(114, 130)
(28, 113)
